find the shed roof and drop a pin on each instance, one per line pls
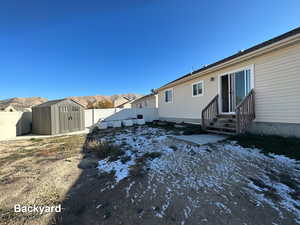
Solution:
(53, 102)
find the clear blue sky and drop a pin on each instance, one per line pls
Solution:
(62, 48)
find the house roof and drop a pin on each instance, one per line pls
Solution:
(239, 54)
(53, 102)
(145, 96)
(9, 108)
(124, 103)
(127, 98)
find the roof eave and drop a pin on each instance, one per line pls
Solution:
(203, 71)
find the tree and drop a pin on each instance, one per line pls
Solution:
(104, 104)
(153, 91)
(89, 105)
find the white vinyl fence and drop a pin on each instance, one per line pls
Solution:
(149, 114)
(92, 116)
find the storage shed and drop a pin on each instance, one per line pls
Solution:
(57, 116)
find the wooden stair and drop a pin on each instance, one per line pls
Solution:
(229, 124)
(222, 124)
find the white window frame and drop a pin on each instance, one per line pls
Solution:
(252, 82)
(198, 82)
(164, 95)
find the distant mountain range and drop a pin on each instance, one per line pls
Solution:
(22, 103)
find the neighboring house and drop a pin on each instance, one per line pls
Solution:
(257, 89)
(123, 102)
(15, 108)
(14, 122)
(9, 109)
(147, 101)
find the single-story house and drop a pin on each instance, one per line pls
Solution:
(13, 124)
(16, 108)
(146, 101)
(256, 90)
(9, 108)
(123, 102)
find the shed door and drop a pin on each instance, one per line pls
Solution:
(69, 118)
(63, 119)
(74, 118)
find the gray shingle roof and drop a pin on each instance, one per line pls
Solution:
(53, 102)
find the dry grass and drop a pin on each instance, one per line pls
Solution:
(36, 139)
(47, 194)
(36, 172)
(59, 148)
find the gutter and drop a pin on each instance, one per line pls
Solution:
(210, 68)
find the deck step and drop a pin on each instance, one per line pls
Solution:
(232, 125)
(226, 120)
(222, 124)
(226, 116)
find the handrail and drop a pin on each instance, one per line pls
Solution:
(245, 98)
(210, 111)
(245, 112)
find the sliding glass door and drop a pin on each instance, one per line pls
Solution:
(234, 87)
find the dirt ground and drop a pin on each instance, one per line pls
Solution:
(37, 171)
(212, 184)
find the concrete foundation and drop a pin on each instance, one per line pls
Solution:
(282, 129)
(268, 128)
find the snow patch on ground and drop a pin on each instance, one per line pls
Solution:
(190, 173)
(120, 169)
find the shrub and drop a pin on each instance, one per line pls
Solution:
(103, 150)
(36, 139)
(104, 104)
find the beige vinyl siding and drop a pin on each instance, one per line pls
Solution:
(276, 83)
(146, 102)
(184, 105)
(127, 105)
(278, 87)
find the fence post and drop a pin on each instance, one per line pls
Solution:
(93, 115)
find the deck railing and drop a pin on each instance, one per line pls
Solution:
(210, 112)
(245, 112)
